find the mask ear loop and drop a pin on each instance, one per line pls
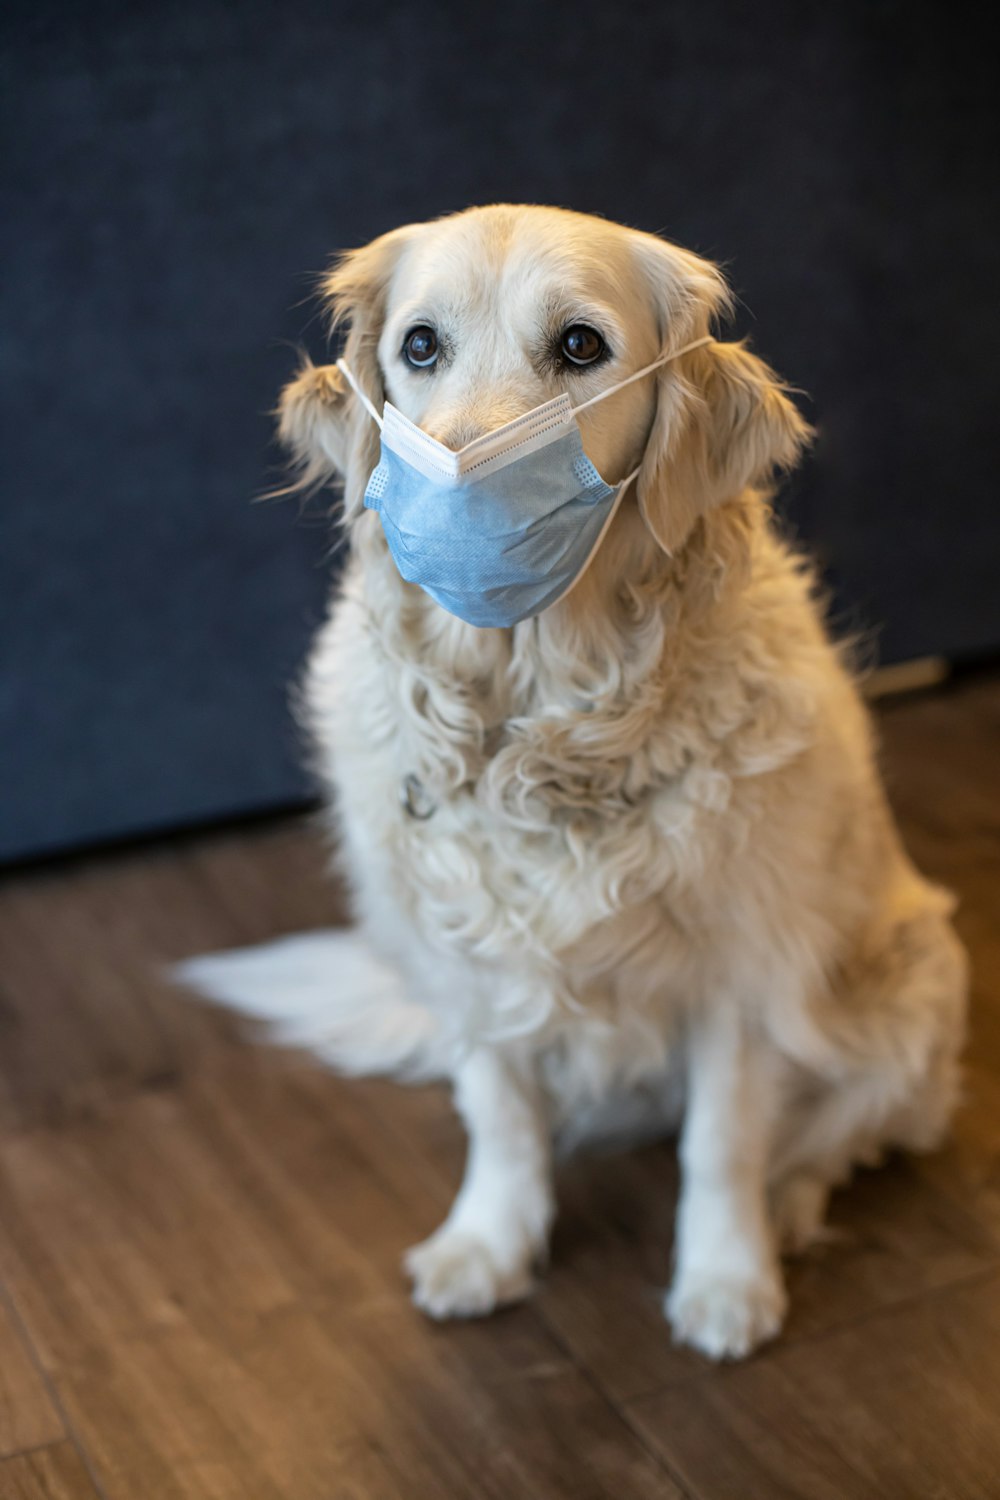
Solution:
(664, 359)
(368, 406)
(619, 497)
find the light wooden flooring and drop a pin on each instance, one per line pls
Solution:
(200, 1239)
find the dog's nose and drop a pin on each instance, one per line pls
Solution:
(454, 436)
(455, 431)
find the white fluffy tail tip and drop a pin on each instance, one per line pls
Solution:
(324, 991)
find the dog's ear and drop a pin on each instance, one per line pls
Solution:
(685, 291)
(311, 423)
(723, 420)
(723, 424)
(320, 420)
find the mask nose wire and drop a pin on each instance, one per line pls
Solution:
(345, 370)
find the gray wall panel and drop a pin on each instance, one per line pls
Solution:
(171, 171)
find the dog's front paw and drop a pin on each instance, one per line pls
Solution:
(726, 1317)
(455, 1274)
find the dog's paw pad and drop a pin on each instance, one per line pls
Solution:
(726, 1317)
(455, 1275)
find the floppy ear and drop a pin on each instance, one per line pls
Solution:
(320, 420)
(723, 421)
(311, 423)
(723, 424)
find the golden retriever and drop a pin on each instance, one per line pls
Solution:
(628, 864)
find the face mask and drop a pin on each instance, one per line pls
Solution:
(498, 530)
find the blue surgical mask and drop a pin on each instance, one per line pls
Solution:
(498, 530)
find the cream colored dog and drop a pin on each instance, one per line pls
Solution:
(628, 864)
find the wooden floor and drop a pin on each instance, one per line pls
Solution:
(200, 1239)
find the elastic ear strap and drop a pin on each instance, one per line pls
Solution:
(343, 366)
(664, 359)
(619, 496)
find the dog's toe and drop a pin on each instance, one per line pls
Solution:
(726, 1317)
(456, 1275)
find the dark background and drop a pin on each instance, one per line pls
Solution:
(170, 174)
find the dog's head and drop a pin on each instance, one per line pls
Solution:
(467, 322)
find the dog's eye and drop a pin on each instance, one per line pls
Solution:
(420, 347)
(582, 345)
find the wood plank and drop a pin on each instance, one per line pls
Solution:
(939, 754)
(211, 1275)
(898, 1235)
(53, 1473)
(28, 1418)
(246, 1191)
(904, 1404)
(86, 1011)
(942, 753)
(320, 1401)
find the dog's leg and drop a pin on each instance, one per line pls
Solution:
(893, 1083)
(727, 1295)
(484, 1253)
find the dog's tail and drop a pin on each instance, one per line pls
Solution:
(328, 993)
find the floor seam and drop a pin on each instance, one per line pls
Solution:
(72, 1436)
(584, 1371)
(581, 1368)
(60, 1442)
(811, 1340)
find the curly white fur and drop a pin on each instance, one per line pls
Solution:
(660, 877)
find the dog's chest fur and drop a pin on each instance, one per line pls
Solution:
(501, 822)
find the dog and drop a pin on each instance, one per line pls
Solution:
(625, 866)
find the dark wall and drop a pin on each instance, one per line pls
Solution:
(171, 171)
